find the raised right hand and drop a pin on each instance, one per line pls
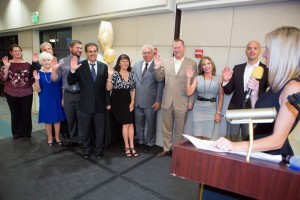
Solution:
(157, 61)
(189, 72)
(226, 74)
(35, 57)
(54, 63)
(74, 66)
(6, 61)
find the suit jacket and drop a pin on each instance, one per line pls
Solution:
(175, 84)
(93, 95)
(147, 89)
(236, 85)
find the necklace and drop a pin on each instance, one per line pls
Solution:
(206, 91)
(124, 75)
(46, 78)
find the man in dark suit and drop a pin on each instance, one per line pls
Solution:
(91, 75)
(147, 99)
(236, 81)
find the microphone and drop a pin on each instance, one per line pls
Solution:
(257, 74)
(258, 115)
(293, 161)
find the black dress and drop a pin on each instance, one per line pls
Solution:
(268, 100)
(121, 98)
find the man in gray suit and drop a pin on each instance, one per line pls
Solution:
(147, 99)
(71, 94)
(175, 102)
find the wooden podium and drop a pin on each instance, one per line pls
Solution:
(257, 179)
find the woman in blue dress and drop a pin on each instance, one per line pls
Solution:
(50, 93)
(283, 60)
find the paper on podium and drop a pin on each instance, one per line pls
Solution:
(206, 145)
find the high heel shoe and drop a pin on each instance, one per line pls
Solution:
(128, 152)
(59, 143)
(50, 144)
(134, 152)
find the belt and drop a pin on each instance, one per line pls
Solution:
(212, 100)
(72, 92)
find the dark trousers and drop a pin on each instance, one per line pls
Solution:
(71, 107)
(93, 124)
(20, 110)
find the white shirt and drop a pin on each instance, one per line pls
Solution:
(177, 64)
(248, 72)
(95, 66)
(144, 64)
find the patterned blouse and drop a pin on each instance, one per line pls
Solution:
(19, 80)
(119, 83)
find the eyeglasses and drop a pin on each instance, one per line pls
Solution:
(147, 53)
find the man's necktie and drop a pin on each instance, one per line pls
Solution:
(145, 69)
(93, 71)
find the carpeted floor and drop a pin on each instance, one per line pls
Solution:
(30, 170)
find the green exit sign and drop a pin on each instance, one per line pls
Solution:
(35, 17)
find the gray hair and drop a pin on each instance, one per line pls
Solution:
(45, 55)
(44, 44)
(149, 46)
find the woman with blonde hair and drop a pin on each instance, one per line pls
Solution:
(283, 60)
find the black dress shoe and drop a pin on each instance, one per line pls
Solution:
(17, 137)
(82, 148)
(147, 148)
(72, 144)
(99, 155)
(164, 153)
(86, 156)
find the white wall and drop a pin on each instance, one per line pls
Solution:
(16, 14)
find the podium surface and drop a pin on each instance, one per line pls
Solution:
(257, 179)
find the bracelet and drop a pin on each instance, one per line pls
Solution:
(218, 112)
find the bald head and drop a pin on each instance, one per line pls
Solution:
(253, 51)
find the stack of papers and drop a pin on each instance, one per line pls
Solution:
(206, 145)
